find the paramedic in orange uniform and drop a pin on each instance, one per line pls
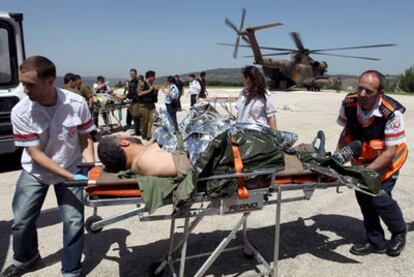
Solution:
(377, 121)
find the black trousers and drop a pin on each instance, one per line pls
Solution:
(128, 117)
(384, 207)
(193, 99)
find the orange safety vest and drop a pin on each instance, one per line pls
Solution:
(372, 134)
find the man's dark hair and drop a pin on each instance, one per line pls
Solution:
(111, 154)
(78, 77)
(44, 67)
(379, 75)
(149, 74)
(171, 79)
(133, 70)
(192, 75)
(100, 78)
(202, 74)
(177, 76)
(69, 77)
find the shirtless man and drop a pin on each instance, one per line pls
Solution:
(124, 152)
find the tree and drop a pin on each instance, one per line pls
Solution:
(406, 80)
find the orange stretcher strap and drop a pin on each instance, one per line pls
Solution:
(242, 191)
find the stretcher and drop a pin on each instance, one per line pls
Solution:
(225, 102)
(108, 104)
(259, 188)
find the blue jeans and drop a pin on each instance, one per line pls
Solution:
(172, 111)
(384, 207)
(27, 202)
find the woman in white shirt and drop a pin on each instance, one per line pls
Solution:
(255, 104)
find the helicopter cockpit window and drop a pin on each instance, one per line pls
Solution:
(8, 58)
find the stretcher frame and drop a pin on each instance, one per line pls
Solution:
(215, 207)
(110, 125)
(225, 102)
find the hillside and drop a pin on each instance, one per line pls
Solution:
(227, 75)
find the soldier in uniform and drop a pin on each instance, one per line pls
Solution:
(85, 91)
(145, 109)
(132, 95)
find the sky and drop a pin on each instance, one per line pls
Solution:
(102, 37)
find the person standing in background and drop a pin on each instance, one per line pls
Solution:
(70, 83)
(85, 91)
(171, 99)
(195, 88)
(180, 85)
(132, 95)
(202, 82)
(147, 97)
(101, 87)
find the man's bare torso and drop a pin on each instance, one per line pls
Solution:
(154, 161)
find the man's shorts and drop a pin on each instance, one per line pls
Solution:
(182, 163)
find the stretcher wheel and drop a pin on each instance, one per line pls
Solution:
(152, 268)
(88, 224)
(247, 252)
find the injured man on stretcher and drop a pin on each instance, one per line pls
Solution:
(119, 153)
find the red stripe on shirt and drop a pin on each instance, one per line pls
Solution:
(25, 136)
(86, 124)
(395, 135)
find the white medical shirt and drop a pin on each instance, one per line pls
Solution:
(55, 129)
(257, 110)
(194, 87)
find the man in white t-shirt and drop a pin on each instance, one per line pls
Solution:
(52, 125)
(195, 89)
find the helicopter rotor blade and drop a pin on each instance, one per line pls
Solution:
(298, 42)
(355, 47)
(242, 19)
(261, 47)
(271, 54)
(231, 25)
(236, 48)
(346, 56)
(261, 27)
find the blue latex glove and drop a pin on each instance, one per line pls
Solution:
(80, 177)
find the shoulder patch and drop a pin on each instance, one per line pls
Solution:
(386, 111)
(351, 100)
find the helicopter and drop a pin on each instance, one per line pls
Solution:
(300, 70)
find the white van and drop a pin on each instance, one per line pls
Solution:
(12, 54)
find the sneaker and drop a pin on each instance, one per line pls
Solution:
(18, 270)
(319, 143)
(349, 152)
